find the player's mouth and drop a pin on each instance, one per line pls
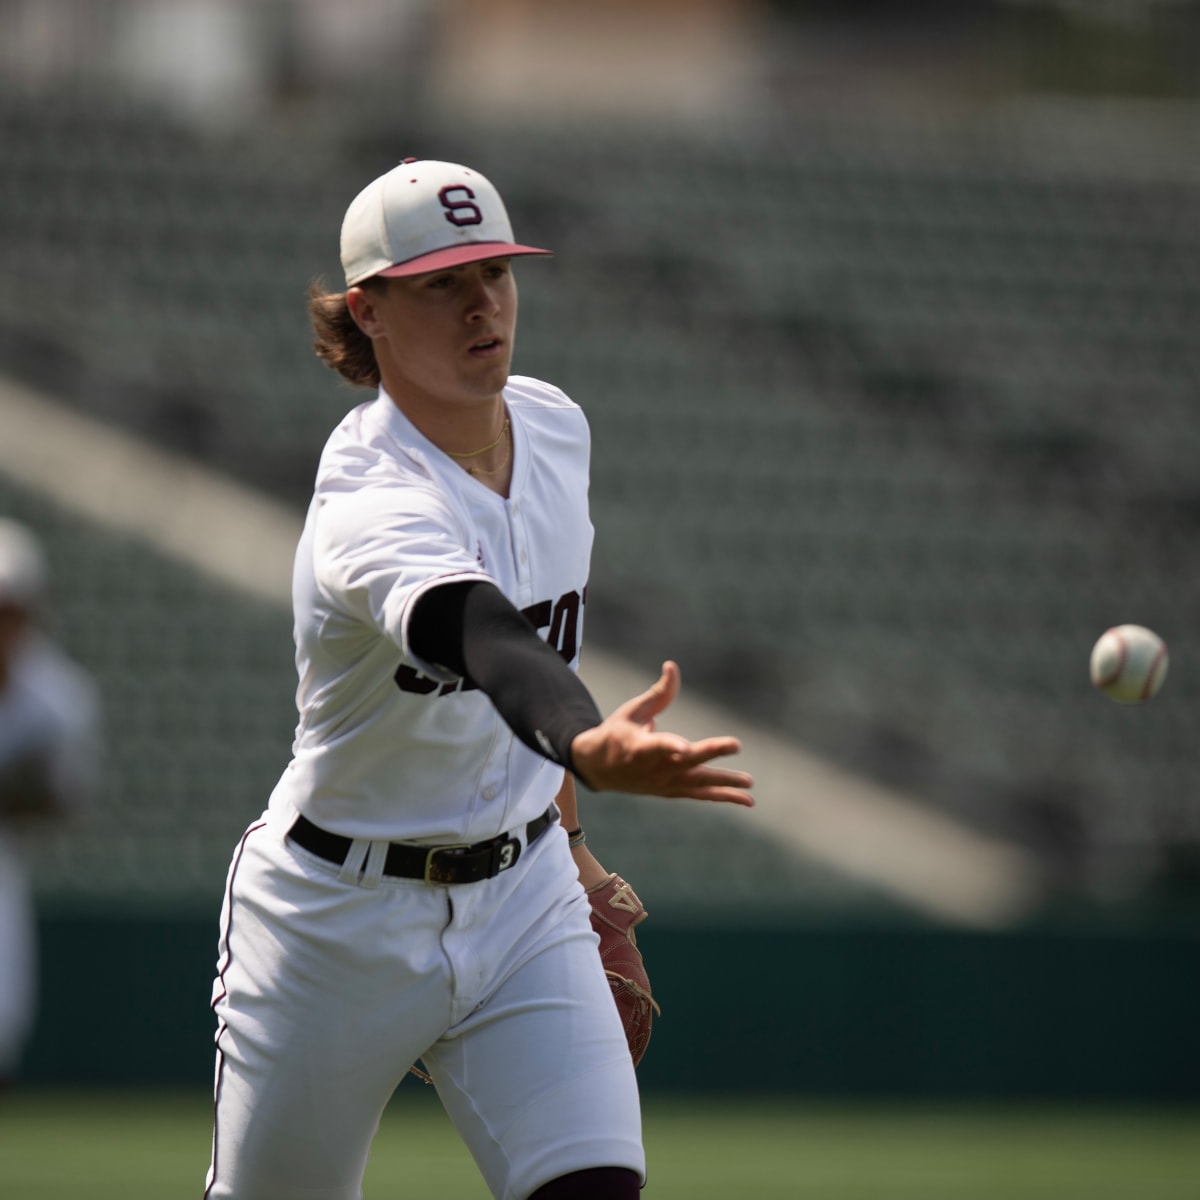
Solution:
(487, 347)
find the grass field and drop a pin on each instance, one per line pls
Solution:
(134, 1146)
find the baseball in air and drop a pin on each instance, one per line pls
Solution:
(1129, 663)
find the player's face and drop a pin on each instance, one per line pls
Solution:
(445, 337)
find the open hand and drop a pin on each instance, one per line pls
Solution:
(625, 753)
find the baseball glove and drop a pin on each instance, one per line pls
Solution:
(615, 911)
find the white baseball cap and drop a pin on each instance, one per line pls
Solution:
(22, 567)
(425, 216)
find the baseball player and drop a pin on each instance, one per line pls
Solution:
(49, 763)
(417, 886)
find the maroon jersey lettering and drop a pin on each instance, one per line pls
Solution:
(561, 619)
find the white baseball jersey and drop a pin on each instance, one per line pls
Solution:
(387, 746)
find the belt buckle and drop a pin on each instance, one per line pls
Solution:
(437, 850)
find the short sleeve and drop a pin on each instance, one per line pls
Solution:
(376, 550)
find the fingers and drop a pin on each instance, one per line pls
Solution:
(720, 795)
(717, 784)
(657, 698)
(708, 776)
(678, 770)
(709, 748)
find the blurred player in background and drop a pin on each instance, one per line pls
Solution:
(413, 890)
(49, 765)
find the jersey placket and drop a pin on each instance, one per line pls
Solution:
(520, 552)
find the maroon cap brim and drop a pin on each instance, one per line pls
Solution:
(459, 256)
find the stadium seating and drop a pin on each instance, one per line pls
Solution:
(889, 423)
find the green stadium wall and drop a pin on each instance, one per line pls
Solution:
(887, 1012)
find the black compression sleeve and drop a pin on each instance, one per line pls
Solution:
(473, 630)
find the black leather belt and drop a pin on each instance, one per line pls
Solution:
(434, 864)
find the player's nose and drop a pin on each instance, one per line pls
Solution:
(481, 298)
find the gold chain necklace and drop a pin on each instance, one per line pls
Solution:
(483, 449)
(507, 455)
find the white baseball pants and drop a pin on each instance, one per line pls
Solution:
(328, 989)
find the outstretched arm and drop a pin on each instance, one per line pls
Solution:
(473, 630)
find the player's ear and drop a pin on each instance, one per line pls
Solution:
(360, 302)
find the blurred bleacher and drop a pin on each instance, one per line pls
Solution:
(197, 689)
(891, 420)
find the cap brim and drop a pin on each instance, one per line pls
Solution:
(459, 256)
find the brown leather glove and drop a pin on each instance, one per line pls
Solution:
(615, 911)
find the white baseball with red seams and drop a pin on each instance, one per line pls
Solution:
(1129, 663)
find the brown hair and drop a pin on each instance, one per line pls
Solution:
(337, 339)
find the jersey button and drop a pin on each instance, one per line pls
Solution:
(489, 792)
